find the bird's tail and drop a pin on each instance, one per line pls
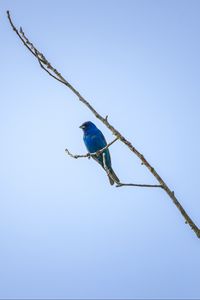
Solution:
(112, 176)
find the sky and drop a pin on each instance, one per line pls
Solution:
(65, 232)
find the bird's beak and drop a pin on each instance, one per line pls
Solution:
(82, 126)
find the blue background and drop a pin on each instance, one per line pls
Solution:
(64, 231)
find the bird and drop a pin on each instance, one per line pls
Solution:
(94, 141)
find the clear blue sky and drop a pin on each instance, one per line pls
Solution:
(64, 231)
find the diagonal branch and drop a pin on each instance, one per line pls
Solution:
(46, 66)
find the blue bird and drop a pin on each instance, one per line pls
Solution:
(94, 140)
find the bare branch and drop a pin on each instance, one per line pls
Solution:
(43, 67)
(17, 32)
(139, 185)
(119, 184)
(46, 66)
(90, 154)
(106, 168)
(106, 147)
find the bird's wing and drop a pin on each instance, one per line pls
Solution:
(95, 141)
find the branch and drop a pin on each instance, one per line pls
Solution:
(46, 66)
(106, 169)
(139, 185)
(119, 184)
(90, 154)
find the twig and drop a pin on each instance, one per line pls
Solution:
(46, 66)
(77, 155)
(139, 185)
(43, 67)
(106, 168)
(90, 154)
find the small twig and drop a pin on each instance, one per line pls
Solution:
(90, 154)
(106, 147)
(43, 67)
(140, 185)
(77, 155)
(17, 32)
(106, 168)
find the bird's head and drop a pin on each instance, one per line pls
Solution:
(87, 126)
